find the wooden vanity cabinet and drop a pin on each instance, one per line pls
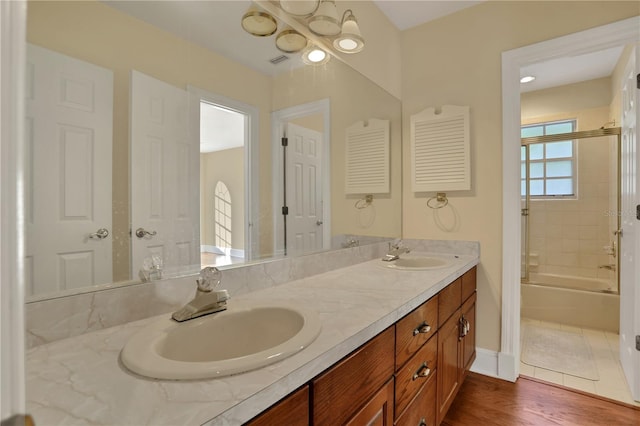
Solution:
(456, 340)
(293, 410)
(408, 375)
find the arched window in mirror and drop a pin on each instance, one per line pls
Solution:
(222, 216)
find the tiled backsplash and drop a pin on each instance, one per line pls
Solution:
(59, 318)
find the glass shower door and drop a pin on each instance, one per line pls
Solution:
(524, 209)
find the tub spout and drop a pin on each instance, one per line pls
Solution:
(611, 267)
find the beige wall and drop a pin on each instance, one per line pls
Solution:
(226, 166)
(457, 60)
(95, 33)
(567, 236)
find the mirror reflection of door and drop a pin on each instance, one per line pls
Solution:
(222, 173)
(69, 111)
(304, 189)
(164, 179)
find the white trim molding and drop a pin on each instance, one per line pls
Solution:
(603, 37)
(12, 68)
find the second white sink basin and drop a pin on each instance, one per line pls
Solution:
(418, 262)
(244, 337)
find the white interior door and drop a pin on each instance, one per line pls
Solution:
(630, 240)
(304, 189)
(68, 137)
(165, 170)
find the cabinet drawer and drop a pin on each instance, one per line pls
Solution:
(468, 283)
(415, 329)
(422, 410)
(449, 300)
(410, 378)
(342, 390)
(292, 410)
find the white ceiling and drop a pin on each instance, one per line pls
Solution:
(405, 14)
(220, 128)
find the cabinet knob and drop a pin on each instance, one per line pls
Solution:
(423, 371)
(422, 328)
(423, 422)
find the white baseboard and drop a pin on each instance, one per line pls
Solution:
(494, 364)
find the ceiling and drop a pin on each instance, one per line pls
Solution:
(213, 24)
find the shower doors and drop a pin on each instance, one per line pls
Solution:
(578, 206)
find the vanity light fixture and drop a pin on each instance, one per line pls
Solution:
(258, 22)
(527, 79)
(325, 21)
(350, 39)
(315, 56)
(290, 41)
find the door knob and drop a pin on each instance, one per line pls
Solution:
(100, 234)
(319, 222)
(141, 233)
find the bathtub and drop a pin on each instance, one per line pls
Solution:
(581, 302)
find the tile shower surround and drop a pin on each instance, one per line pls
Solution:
(54, 319)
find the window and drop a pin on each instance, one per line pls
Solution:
(222, 216)
(552, 165)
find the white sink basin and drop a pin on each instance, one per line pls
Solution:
(244, 337)
(418, 262)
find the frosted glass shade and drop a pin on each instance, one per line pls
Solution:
(259, 23)
(325, 21)
(290, 41)
(299, 7)
(350, 39)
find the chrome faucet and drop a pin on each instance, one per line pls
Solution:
(395, 250)
(207, 300)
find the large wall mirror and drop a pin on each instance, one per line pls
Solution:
(154, 145)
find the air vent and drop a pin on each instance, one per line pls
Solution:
(278, 59)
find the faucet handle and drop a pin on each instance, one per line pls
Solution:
(210, 278)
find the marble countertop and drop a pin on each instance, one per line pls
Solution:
(80, 380)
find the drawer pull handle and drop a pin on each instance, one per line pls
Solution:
(423, 422)
(422, 328)
(423, 371)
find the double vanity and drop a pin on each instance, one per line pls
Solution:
(369, 340)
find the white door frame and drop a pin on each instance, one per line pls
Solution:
(279, 121)
(251, 161)
(12, 69)
(603, 37)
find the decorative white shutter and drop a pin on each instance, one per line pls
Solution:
(367, 157)
(440, 150)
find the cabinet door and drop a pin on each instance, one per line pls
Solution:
(469, 340)
(291, 411)
(449, 359)
(378, 411)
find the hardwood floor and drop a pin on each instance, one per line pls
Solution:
(487, 401)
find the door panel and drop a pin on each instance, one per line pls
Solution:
(304, 190)
(630, 239)
(165, 183)
(69, 148)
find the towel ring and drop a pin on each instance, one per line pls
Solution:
(440, 199)
(363, 203)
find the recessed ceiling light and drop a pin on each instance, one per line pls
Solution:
(527, 79)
